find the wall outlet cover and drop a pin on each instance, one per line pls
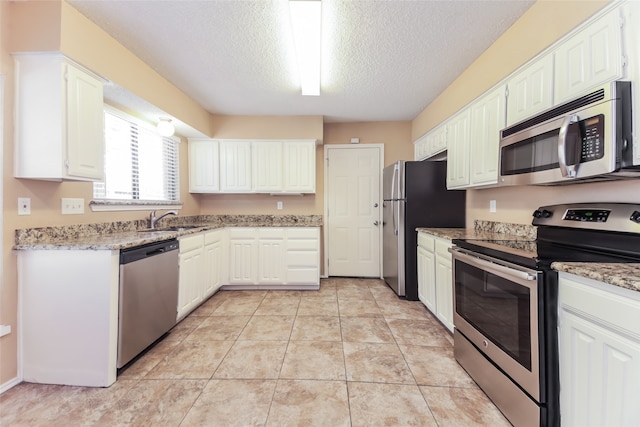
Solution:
(24, 206)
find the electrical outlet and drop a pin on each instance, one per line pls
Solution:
(72, 206)
(492, 206)
(279, 205)
(24, 206)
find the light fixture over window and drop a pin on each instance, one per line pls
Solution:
(165, 127)
(306, 17)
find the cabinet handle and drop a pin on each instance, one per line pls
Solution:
(376, 223)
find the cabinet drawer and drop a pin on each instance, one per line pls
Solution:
(303, 233)
(213, 236)
(301, 276)
(271, 233)
(302, 245)
(302, 258)
(190, 243)
(616, 310)
(442, 248)
(427, 242)
(243, 233)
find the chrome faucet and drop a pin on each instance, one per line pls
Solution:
(153, 219)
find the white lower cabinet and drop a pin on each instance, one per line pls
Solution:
(215, 261)
(274, 257)
(191, 278)
(599, 348)
(435, 279)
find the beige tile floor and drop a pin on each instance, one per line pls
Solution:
(350, 354)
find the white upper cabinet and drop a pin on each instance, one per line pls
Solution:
(204, 166)
(589, 57)
(487, 119)
(299, 166)
(458, 150)
(431, 143)
(252, 166)
(59, 120)
(267, 166)
(530, 90)
(235, 166)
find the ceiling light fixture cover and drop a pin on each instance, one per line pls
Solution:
(306, 18)
(165, 127)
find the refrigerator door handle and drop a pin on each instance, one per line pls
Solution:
(393, 217)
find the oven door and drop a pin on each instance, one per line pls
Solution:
(496, 308)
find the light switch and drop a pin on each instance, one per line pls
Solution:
(72, 206)
(492, 206)
(279, 205)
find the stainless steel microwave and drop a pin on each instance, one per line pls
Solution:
(586, 139)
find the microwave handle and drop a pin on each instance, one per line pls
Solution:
(568, 171)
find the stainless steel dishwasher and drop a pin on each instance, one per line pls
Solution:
(148, 296)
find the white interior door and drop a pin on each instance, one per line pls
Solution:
(353, 208)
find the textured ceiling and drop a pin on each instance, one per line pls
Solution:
(382, 60)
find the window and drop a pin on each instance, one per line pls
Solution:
(140, 165)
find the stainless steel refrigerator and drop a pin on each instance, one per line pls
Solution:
(414, 195)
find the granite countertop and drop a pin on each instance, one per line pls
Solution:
(622, 275)
(128, 234)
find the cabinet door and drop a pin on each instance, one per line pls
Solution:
(487, 119)
(299, 166)
(204, 164)
(267, 166)
(190, 281)
(427, 278)
(243, 256)
(444, 285)
(271, 261)
(85, 127)
(589, 58)
(597, 373)
(213, 255)
(530, 90)
(421, 148)
(235, 166)
(458, 150)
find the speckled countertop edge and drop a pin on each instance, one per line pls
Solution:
(127, 234)
(622, 275)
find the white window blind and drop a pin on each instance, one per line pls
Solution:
(140, 164)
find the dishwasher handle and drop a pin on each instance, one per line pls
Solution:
(138, 253)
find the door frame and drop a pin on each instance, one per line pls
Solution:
(325, 228)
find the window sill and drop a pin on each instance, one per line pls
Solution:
(131, 205)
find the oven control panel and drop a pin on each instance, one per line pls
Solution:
(617, 217)
(595, 215)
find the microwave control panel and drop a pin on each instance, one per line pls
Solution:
(592, 138)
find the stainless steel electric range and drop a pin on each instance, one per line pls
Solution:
(505, 302)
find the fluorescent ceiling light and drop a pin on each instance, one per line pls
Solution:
(306, 24)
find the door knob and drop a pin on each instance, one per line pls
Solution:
(375, 223)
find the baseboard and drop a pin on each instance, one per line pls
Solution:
(10, 384)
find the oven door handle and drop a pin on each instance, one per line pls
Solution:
(568, 171)
(491, 266)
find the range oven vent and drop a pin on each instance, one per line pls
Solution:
(555, 112)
